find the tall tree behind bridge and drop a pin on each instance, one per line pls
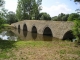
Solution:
(78, 10)
(2, 2)
(28, 9)
(11, 17)
(77, 0)
(44, 16)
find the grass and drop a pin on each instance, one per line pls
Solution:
(32, 44)
(6, 25)
(39, 50)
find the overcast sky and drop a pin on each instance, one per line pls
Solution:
(52, 7)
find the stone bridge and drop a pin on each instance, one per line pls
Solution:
(58, 29)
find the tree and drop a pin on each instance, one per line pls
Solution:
(11, 17)
(65, 18)
(44, 16)
(1, 13)
(76, 29)
(1, 3)
(19, 11)
(28, 9)
(55, 18)
(78, 10)
(77, 0)
(60, 16)
(73, 16)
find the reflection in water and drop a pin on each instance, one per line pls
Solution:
(34, 35)
(25, 33)
(47, 38)
(19, 31)
(8, 35)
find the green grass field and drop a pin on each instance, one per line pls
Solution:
(39, 50)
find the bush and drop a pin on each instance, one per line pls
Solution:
(76, 29)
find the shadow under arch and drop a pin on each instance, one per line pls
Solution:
(34, 32)
(34, 29)
(47, 34)
(47, 31)
(19, 29)
(24, 27)
(25, 30)
(68, 35)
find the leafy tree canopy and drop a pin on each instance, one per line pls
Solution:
(11, 17)
(73, 16)
(28, 9)
(44, 16)
(2, 3)
(55, 18)
(77, 0)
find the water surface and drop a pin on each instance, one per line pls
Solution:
(15, 35)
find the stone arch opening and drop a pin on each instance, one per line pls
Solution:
(34, 29)
(68, 35)
(18, 27)
(47, 31)
(24, 27)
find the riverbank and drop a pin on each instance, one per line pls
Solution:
(6, 27)
(39, 50)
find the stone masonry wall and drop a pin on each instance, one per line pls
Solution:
(58, 28)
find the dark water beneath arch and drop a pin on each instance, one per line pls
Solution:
(15, 35)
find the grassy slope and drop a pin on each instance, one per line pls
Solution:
(39, 50)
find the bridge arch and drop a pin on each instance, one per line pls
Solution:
(34, 29)
(47, 31)
(68, 35)
(24, 27)
(18, 27)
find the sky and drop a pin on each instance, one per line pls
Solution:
(52, 7)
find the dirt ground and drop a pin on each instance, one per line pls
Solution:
(59, 51)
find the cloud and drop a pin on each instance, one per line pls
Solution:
(56, 9)
(57, 2)
(11, 5)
